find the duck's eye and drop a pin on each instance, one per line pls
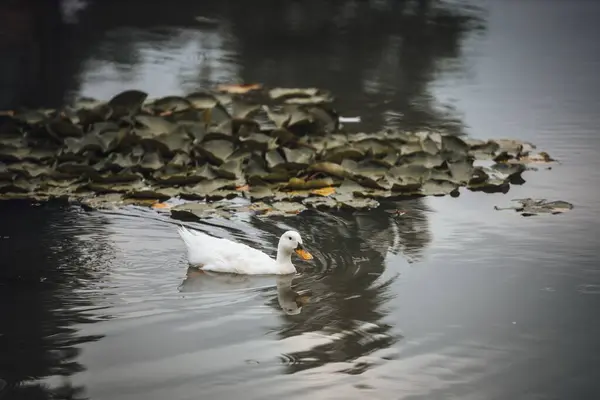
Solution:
(289, 237)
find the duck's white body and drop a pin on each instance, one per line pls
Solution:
(221, 255)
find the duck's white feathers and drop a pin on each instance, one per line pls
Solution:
(222, 255)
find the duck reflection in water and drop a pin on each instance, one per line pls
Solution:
(290, 301)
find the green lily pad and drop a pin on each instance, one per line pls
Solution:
(217, 151)
(75, 168)
(204, 188)
(231, 169)
(454, 145)
(298, 183)
(61, 128)
(180, 160)
(31, 117)
(438, 188)
(329, 168)
(202, 100)
(278, 93)
(153, 126)
(530, 207)
(359, 204)
(120, 177)
(279, 118)
(298, 158)
(243, 109)
(261, 192)
(28, 170)
(259, 141)
(410, 148)
(274, 160)
(320, 203)
(117, 162)
(114, 187)
(461, 171)
(195, 210)
(152, 193)
(151, 161)
(128, 102)
(288, 207)
(171, 104)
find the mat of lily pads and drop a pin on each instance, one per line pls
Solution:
(281, 149)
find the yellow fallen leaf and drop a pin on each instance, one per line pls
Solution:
(160, 205)
(326, 191)
(239, 89)
(243, 188)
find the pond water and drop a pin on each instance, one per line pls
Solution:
(450, 300)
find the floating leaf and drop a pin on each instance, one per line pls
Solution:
(218, 151)
(202, 100)
(297, 183)
(277, 93)
(329, 168)
(61, 128)
(151, 161)
(299, 158)
(453, 144)
(324, 191)
(239, 88)
(259, 141)
(230, 170)
(171, 104)
(128, 102)
(274, 160)
(530, 207)
(153, 126)
(438, 188)
(321, 203)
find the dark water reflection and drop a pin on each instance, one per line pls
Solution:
(449, 300)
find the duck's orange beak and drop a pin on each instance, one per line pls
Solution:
(305, 255)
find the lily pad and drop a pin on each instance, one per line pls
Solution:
(217, 151)
(278, 93)
(274, 160)
(170, 104)
(320, 203)
(302, 184)
(329, 168)
(204, 188)
(454, 145)
(128, 102)
(242, 109)
(153, 126)
(61, 128)
(28, 170)
(151, 161)
(195, 210)
(298, 158)
(359, 204)
(259, 141)
(287, 207)
(438, 188)
(231, 169)
(530, 207)
(202, 100)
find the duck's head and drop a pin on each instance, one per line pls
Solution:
(292, 242)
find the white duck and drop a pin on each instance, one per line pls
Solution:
(221, 255)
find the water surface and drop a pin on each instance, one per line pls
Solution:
(453, 299)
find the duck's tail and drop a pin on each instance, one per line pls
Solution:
(187, 236)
